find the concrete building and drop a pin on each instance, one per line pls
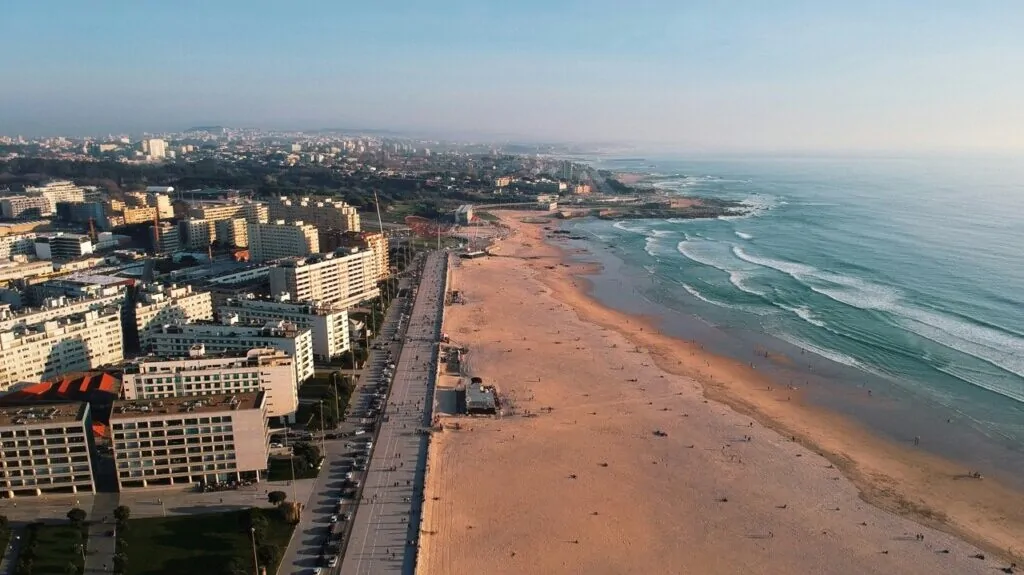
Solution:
(180, 339)
(139, 215)
(46, 449)
(167, 238)
(76, 342)
(57, 307)
(324, 214)
(84, 213)
(155, 148)
(252, 212)
(17, 244)
(341, 279)
(21, 207)
(60, 246)
(278, 240)
(329, 324)
(22, 269)
(189, 440)
(232, 232)
(157, 305)
(269, 370)
(160, 201)
(464, 215)
(196, 234)
(57, 191)
(332, 240)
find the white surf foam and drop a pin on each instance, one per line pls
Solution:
(743, 235)
(804, 313)
(737, 278)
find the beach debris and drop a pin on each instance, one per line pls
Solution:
(783, 506)
(723, 499)
(660, 433)
(978, 556)
(572, 476)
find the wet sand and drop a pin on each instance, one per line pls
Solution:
(590, 487)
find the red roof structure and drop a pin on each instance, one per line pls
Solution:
(72, 387)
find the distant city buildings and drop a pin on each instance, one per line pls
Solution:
(376, 242)
(60, 246)
(329, 324)
(323, 213)
(158, 305)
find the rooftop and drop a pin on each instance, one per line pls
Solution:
(41, 414)
(195, 404)
(239, 357)
(70, 387)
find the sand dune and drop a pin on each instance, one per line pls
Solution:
(589, 487)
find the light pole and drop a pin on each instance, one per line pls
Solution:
(255, 560)
(323, 429)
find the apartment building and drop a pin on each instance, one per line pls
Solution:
(233, 232)
(278, 240)
(180, 339)
(329, 324)
(75, 342)
(167, 238)
(139, 215)
(268, 370)
(376, 242)
(45, 449)
(155, 148)
(322, 213)
(252, 212)
(57, 307)
(189, 440)
(22, 269)
(17, 244)
(57, 191)
(196, 234)
(157, 305)
(87, 213)
(61, 246)
(160, 201)
(20, 207)
(340, 279)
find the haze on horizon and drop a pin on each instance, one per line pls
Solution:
(703, 75)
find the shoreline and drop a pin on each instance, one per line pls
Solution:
(527, 487)
(879, 467)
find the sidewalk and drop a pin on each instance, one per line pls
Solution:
(100, 546)
(11, 553)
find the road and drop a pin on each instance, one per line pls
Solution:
(385, 532)
(309, 547)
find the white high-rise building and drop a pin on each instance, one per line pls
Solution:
(70, 343)
(159, 304)
(278, 240)
(17, 244)
(322, 213)
(269, 370)
(57, 436)
(329, 324)
(340, 279)
(180, 339)
(157, 148)
(57, 191)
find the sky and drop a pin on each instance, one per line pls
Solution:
(725, 75)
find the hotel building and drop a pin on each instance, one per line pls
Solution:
(268, 370)
(341, 279)
(189, 440)
(329, 324)
(45, 449)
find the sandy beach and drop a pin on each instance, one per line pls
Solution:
(633, 452)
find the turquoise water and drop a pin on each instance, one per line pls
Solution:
(906, 271)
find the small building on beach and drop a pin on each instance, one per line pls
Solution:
(480, 399)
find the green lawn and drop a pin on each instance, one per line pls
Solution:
(205, 544)
(278, 471)
(55, 547)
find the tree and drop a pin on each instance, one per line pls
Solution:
(72, 569)
(268, 555)
(77, 516)
(122, 545)
(122, 513)
(277, 497)
(120, 562)
(3, 522)
(236, 567)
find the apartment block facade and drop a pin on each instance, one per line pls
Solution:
(329, 324)
(276, 240)
(46, 449)
(341, 279)
(269, 370)
(322, 213)
(190, 440)
(158, 305)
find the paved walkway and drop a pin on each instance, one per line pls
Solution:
(385, 534)
(100, 546)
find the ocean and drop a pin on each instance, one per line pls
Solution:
(902, 276)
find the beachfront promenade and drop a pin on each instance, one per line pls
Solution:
(385, 532)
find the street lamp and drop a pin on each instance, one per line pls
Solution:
(323, 429)
(255, 560)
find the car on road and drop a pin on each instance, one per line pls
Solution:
(317, 571)
(334, 518)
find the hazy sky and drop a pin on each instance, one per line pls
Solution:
(715, 75)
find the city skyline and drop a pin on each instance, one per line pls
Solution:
(774, 76)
